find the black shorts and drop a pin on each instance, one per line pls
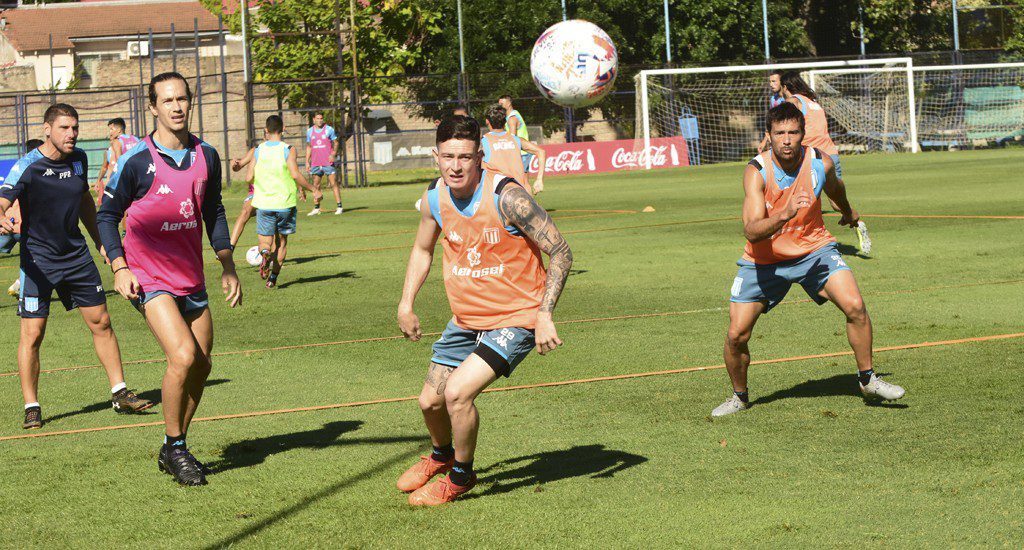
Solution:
(77, 285)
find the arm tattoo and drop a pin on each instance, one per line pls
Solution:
(522, 211)
(437, 377)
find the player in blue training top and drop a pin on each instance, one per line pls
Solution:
(52, 187)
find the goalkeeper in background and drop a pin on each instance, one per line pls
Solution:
(797, 92)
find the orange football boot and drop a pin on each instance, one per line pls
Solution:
(422, 472)
(439, 492)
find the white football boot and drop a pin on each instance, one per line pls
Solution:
(880, 389)
(732, 405)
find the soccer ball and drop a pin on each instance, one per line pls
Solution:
(253, 257)
(574, 63)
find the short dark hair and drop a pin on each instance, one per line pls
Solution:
(119, 122)
(495, 115)
(791, 81)
(274, 124)
(783, 112)
(164, 77)
(33, 144)
(321, 113)
(59, 109)
(505, 96)
(462, 108)
(775, 72)
(458, 127)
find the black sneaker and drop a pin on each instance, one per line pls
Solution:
(182, 465)
(33, 418)
(126, 402)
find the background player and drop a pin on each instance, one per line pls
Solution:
(14, 214)
(247, 211)
(515, 125)
(797, 92)
(120, 143)
(501, 297)
(320, 155)
(161, 189)
(775, 85)
(503, 152)
(787, 243)
(274, 175)
(51, 184)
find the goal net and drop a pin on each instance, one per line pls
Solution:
(719, 111)
(956, 106)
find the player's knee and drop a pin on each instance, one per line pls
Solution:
(457, 398)
(100, 326)
(430, 400)
(32, 335)
(856, 311)
(182, 358)
(736, 337)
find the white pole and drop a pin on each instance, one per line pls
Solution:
(956, 29)
(668, 39)
(245, 40)
(764, 15)
(462, 57)
(647, 121)
(915, 147)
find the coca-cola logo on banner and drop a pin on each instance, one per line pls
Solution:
(606, 156)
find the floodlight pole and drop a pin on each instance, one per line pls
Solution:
(668, 39)
(860, 22)
(764, 16)
(462, 55)
(244, 6)
(956, 33)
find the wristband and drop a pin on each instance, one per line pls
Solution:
(120, 268)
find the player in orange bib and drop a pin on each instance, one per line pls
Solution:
(503, 151)
(787, 243)
(500, 294)
(797, 92)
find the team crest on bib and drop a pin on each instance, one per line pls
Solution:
(473, 256)
(491, 235)
(187, 209)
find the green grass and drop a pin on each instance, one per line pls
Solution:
(626, 463)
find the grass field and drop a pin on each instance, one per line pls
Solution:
(631, 462)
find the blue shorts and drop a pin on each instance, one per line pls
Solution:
(770, 282)
(526, 162)
(321, 170)
(839, 167)
(502, 348)
(8, 241)
(78, 285)
(188, 303)
(269, 222)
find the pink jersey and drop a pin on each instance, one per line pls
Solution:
(164, 241)
(127, 142)
(320, 146)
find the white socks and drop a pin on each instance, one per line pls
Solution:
(30, 405)
(118, 388)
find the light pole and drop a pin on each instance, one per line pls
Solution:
(668, 39)
(764, 16)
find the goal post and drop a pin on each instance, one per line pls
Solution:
(719, 110)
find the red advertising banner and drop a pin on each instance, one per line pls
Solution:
(592, 157)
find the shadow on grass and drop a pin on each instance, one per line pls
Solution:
(326, 492)
(850, 250)
(251, 452)
(319, 278)
(593, 461)
(150, 395)
(838, 385)
(306, 259)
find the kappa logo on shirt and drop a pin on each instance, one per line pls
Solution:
(454, 237)
(164, 190)
(48, 172)
(151, 169)
(187, 209)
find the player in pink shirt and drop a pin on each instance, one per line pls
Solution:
(321, 151)
(167, 190)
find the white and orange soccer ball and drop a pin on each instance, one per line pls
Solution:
(574, 63)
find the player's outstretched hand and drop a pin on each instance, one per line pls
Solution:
(318, 195)
(6, 226)
(545, 335)
(538, 186)
(851, 219)
(410, 325)
(236, 165)
(126, 284)
(232, 287)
